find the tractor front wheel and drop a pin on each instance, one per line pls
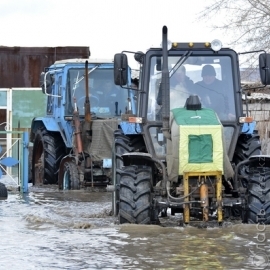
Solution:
(70, 177)
(135, 195)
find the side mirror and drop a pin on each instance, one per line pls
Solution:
(120, 69)
(46, 82)
(264, 65)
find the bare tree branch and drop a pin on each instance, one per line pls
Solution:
(246, 21)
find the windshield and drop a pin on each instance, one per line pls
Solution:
(106, 99)
(209, 77)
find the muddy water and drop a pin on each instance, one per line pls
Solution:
(48, 229)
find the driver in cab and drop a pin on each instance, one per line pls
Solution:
(107, 96)
(212, 93)
(181, 88)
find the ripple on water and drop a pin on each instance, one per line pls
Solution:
(65, 230)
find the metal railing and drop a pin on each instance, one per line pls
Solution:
(14, 158)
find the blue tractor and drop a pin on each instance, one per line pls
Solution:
(198, 153)
(72, 142)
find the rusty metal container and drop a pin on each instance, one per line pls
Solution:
(21, 66)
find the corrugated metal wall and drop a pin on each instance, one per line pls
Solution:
(21, 66)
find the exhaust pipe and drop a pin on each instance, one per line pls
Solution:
(165, 85)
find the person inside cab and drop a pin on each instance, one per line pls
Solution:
(180, 79)
(181, 88)
(109, 97)
(210, 90)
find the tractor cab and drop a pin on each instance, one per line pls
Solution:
(203, 69)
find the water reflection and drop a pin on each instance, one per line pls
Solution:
(47, 229)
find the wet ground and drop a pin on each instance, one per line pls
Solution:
(49, 229)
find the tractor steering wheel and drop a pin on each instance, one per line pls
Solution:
(94, 101)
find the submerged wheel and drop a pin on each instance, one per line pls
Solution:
(258, 196)
(120, 147)
(71, 179)
(3, 191)
(135, 195)
(48, 150)
(122, 144)
(256, 180)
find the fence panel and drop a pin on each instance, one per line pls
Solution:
(14, 159)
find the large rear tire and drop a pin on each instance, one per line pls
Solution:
(255, 180)
(258, 196)
(248, 145)
(48, 150)
(135, 195)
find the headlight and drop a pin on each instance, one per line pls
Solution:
(216, 45)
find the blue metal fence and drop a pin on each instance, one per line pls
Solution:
(14, 159)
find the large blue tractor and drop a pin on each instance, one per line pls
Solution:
(72, 142)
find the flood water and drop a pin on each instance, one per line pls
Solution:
(49, 229)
